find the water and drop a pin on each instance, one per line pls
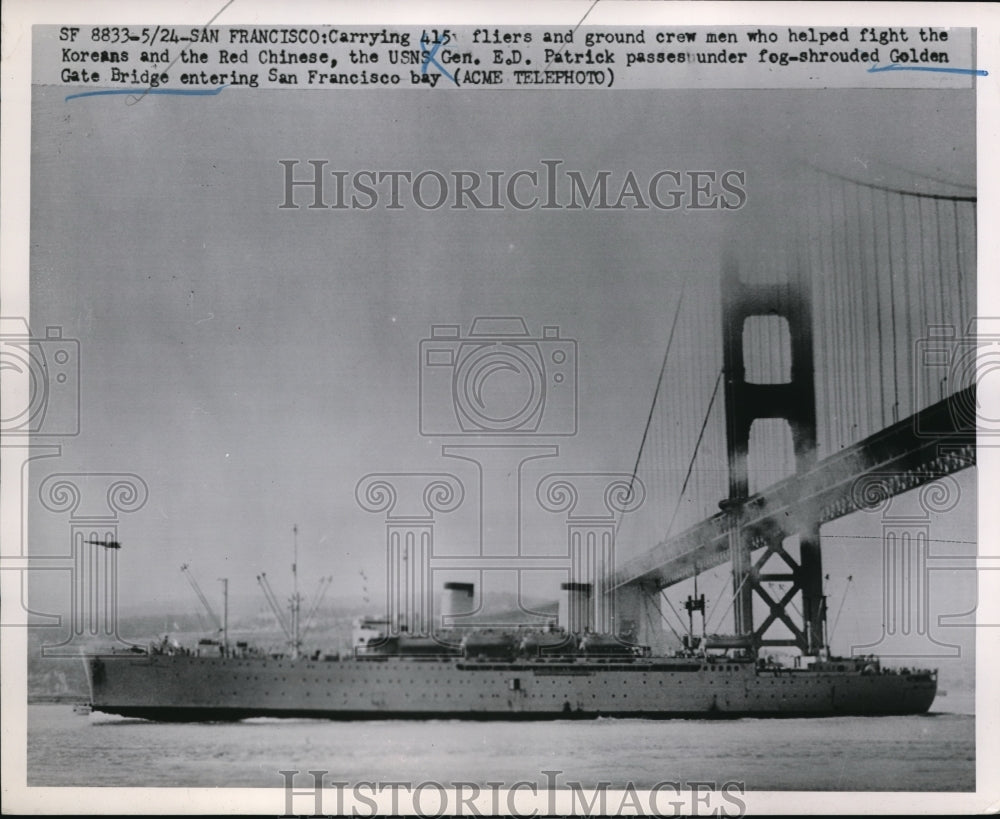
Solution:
(923, 753)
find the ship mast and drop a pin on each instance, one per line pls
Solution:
(225, 615)
(693, 604)
(295, 630)
(296, 639)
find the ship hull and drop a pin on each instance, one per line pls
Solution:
(189, 688)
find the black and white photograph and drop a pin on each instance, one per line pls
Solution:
(576, 409)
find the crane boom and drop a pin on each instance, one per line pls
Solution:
(201, 596)
(321, 589)
(272, 601)
(298, 627)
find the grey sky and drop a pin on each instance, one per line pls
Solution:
(251, 364)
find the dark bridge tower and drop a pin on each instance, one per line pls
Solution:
(794, 401)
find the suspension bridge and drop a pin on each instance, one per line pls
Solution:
(844, 375)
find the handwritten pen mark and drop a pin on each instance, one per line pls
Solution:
(184, 92)
(432, 59)
(978, 72)
(136, 99)
(586, 14)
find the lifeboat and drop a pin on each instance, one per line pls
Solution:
(604, 645)
(539, 645)
(490, 645)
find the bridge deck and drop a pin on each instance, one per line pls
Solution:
(937, 441)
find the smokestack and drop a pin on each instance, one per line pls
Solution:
(576, 613)
(459, 600)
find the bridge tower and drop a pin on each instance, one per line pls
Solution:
(792, 399)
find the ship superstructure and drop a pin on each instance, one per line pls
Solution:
(553, 672)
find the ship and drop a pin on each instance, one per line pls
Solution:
(560, 670)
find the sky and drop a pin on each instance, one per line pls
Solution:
(251, 364)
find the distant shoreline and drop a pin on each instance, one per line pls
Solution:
(57, 699)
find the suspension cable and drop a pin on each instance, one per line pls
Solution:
(694, 455)
(649, 621)
(843, 599)
(652, 406)
(735, 595)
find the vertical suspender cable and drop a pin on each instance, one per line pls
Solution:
(878, 311)
(892, 310)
